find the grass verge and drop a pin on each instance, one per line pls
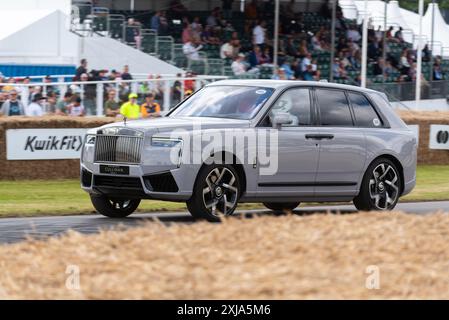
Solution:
(63, 197)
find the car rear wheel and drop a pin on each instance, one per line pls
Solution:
(281, 206)
(113, 207)
(381, 187)
(216, 192)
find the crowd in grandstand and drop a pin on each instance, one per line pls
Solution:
(303, 54)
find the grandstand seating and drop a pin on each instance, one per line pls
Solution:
(169, 48)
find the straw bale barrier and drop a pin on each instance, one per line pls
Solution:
(52, 169)
(323, 256)
(42, 169)
(424, 119)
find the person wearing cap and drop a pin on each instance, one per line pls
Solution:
(35, 108)
(13, 106)
(150, 108)
(131, 109)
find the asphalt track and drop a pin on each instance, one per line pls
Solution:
(17, 229)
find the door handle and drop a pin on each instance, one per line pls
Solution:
(319, 136)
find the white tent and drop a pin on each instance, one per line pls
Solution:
(43, 37)
(441, 29)
(36, 37)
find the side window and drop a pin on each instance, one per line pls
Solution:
(295, 102)
(365, 115)
(334, 108)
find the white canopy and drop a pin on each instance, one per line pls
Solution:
(43, 37)
(441, 29)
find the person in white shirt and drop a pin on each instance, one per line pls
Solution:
(259, 34)
(35, 108)
(305, 62)
(227, 50)
(76, 109)
(353, 34)
(238, 67)
(191, 50)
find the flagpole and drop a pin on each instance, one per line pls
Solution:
(419, 55)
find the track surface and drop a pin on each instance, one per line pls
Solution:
(18, 229)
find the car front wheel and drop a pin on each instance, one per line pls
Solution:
(381, 187)
(114, 208)
(216, 192)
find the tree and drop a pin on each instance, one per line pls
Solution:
(413, 4)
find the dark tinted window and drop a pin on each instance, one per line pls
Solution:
(334, 108)
(296, 103)
(365, 115)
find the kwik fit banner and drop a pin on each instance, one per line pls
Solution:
(44, 144)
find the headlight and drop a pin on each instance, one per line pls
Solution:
(165, 142)
(90, 139)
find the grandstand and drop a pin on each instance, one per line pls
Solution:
(172, 38)
(308, 19)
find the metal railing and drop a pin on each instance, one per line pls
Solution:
(405, 91)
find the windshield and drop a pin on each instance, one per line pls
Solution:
(234, 102)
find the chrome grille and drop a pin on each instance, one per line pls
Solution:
(117, 148)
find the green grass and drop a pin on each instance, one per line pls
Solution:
(63, 197)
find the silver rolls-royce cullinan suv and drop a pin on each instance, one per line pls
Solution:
(275, 142)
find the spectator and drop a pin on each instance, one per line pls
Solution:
(280, 74)
(437, 72)
(131, 109)
(35, 108)
(89, 95)
(63, 105)
(191, 49)
(111, 106)
(52, 99)
(132, 35)
(238, 67)
(379, 67)
(306, 61)
(13, 106)
(265, 57)
(150, 108)
(81, 69)
(125, 74)
(155, 21)
(353, 34)
(212, 19)
(259, 34)
(255, 57)
(176, 91)
(398, 35)
(227, 50)
(426, 53)
(163, 24)
(76, 109)
(187, 33)
(404, 63)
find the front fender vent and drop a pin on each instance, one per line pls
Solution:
(163, 182)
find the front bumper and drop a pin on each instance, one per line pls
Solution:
(160, 184)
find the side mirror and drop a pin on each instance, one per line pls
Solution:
(281, 119)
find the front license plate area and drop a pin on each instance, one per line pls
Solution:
(122, 170)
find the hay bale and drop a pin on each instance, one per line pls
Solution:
(42, 169)
(290, 257)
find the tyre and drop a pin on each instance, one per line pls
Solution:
(281, 206)
(114, 208)
(216, 192)
(381, 186)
